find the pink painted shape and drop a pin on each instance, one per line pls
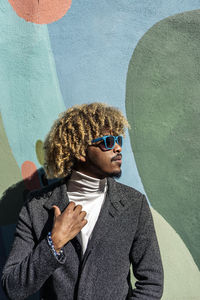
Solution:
(41, 11)
(30, 175)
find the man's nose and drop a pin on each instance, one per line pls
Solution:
(117, 148)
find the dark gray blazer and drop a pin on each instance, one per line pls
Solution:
(124, 234)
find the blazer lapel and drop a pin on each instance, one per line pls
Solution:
(112, 208)
(58, 197)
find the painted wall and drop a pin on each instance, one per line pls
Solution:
(141, 56)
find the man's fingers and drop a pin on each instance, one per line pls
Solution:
(71, 205)
(57, 211)
(75, 208)
(83, 215)
(69, 208)
(84, 222)
(78, 209)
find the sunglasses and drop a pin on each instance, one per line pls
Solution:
(108, 141)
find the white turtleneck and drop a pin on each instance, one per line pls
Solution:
(90, 193)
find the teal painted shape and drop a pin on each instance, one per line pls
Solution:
(29, 88)
(163, 108)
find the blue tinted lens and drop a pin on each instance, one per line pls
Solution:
(110, 141)
(119, 140)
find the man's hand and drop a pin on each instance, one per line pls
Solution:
(67, 224)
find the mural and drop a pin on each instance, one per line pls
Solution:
(84, 57)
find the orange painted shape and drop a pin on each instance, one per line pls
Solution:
(41, 11)
(30, 175)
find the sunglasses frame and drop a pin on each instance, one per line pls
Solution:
(103, 138)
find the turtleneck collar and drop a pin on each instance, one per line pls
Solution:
(85, 184)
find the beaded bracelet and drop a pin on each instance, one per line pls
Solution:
(59, 255)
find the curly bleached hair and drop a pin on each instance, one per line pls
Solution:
(73, 132)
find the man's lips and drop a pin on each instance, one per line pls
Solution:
(118, 157)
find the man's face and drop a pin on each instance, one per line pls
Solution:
(102, 163)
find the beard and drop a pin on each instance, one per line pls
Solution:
(116, 175)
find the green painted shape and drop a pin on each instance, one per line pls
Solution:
(11, 184)
(181, 274)
(163, 108)
(39, 151)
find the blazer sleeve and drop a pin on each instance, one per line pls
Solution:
(29, 264)
(145, 258)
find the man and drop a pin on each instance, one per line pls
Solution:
(77, 238)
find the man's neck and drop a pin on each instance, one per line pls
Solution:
(83, 183)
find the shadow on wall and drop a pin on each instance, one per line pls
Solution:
(14, 197)
(10, 205)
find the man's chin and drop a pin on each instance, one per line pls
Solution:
(116, 175)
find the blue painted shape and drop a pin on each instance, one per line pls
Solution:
(92, 46)
(29, 88)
